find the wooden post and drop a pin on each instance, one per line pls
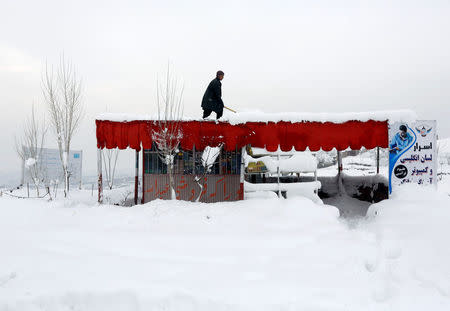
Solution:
(143, 175)
(316, 190)
(339, 162)
(193, 160)
(242, 172)
(378, 160)
(339, 177)
(278, 174)
(48, 192)
(100, 176)
(242, 164)
(136, 179)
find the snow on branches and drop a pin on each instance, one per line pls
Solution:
(167, 136)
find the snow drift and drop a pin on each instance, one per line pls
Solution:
(258, 254)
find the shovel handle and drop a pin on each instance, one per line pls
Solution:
(229, 109)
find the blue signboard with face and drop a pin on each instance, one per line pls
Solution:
(412, 153)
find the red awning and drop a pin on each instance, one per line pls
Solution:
(315, 135)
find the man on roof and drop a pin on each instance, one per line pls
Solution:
(212, 99)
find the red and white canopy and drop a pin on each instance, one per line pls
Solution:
(354, 130)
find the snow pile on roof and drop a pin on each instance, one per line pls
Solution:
(259, 116)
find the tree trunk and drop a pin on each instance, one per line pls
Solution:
(201, 188)
(36, 184)
(172, 195)
(99, 175)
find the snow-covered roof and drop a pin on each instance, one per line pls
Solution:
(297, 130)
(259, 116)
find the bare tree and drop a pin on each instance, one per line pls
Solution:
(110, 164)
(29, 148)
(168, 134)
(62, 93)
(209, 157)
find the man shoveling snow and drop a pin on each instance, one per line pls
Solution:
(212, 99)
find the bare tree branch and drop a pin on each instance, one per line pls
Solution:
(62, 95)
(208, 159)
(168, 135)
(110, 164)
(29, 147)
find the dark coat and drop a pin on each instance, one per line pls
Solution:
(212, 99)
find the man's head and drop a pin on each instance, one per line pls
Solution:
(403, 129)
(219, 75)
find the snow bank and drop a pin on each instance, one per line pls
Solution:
(165, 255)
(259, 116)
(412, 231)
(258, 254)
(304, 189)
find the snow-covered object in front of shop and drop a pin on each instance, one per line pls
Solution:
(259, 116)
(299, 162)
(209, 156)
(304, 189)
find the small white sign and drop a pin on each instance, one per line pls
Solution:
(50, 162)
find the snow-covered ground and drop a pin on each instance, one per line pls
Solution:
(262, 253)
(363, 164)
(258, 254)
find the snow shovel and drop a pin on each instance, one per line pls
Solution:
(229, 109)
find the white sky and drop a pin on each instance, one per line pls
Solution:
(277, 56)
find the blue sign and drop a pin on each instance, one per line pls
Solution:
(412, 153)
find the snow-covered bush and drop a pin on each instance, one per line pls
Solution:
(325, 158)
